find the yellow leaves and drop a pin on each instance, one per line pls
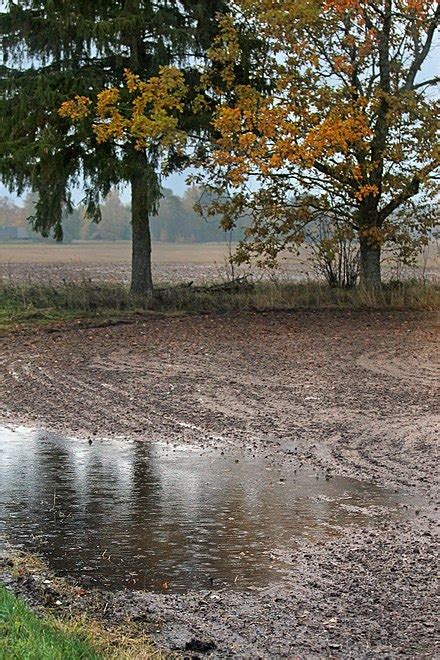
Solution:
(76, 109)
(246, 140)
(248, 98)
(342, 5)
(156, 105)
(318, 126)
(365, 191)
(107, 99)
(115, 128)
(165, 91)
(131, 80)
(236, 174)
(111, 123)
(275, 161)
(419, 7)
(335, 134)
(143, 112)
(268, 134)
(357, 8)
(228, 120)
(223, 157)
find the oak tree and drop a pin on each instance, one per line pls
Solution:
(345, 129)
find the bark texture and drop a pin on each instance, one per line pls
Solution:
(370, 265)
(141, 278)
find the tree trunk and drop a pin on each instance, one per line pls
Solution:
(370, 264)
(141, 279)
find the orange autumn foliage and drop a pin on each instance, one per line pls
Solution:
(345, 126)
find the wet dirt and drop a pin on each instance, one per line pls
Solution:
(352, 393)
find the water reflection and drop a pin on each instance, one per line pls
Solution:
(134, 514)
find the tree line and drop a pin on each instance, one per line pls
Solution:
(176, 220)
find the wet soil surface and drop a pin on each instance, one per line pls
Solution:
(354, 394)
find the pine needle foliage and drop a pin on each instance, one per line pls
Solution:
(54, 51)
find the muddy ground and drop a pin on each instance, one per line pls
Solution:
(353, 393)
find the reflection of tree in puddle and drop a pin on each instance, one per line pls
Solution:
(138, 514)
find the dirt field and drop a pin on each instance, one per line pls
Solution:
(91, 253)
(110, 261)
(355, 392)
(172, 263)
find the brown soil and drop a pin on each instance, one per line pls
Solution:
(351, 392)
(102, 261)
(109, 261)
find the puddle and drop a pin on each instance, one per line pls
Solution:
(137, 514)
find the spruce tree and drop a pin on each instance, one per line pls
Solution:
(53, 51)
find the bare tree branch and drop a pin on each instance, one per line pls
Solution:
(423, 54)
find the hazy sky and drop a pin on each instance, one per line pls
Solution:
(176, 182)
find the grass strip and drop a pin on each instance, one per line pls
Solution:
(25, 636)
(39, 304)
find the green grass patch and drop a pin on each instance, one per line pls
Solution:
(30, 304)
(25, 636)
